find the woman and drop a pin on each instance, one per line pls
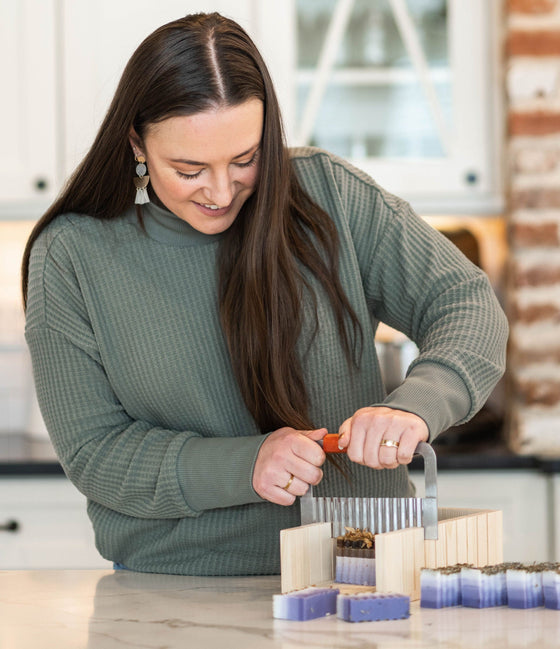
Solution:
(190, 351)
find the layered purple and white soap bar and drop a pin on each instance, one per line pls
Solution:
(368, 607)
(551, 587)
(505, 584)
(486, 587)
(525, 587)
(355, 570)
(306, 604)
(440, 587)
(355, 558)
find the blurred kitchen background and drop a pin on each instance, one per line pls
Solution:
(412, 91)
(452, 104)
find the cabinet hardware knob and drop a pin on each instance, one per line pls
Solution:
(41, 184)
(10, 526)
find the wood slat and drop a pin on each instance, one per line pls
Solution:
(464, 536)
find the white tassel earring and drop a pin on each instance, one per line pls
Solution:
(141, 182)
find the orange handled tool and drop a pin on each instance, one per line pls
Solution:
(330, 443)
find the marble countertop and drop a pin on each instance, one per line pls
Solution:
(78, 609)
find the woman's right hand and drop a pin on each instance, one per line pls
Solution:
(288, 462)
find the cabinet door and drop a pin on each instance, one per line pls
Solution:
(100, 37)
(44, 525)
(27, 109)
(400, 87)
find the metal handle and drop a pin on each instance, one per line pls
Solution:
(430, 468)
(429, 502)
(330, 445)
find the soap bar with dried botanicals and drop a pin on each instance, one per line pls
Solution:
(551, 586)
(524, 586)
(355, 557)
(441, 587)
(487, 586)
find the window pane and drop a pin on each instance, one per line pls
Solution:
(375, 105)
(377, 121)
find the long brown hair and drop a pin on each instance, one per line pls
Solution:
(187, 66)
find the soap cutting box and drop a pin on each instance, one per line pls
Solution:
(410, 534)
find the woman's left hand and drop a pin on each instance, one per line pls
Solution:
(382, 438)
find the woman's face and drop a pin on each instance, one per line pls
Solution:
(203, 167)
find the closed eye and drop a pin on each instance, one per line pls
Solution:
(188, 176)
(242, 165)
(250, 163)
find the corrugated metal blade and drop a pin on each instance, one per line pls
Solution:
(375, 514)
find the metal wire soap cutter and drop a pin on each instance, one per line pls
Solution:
(379, 515)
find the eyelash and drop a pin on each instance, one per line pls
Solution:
(243, 165)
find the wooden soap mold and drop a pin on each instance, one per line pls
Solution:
(474, 536)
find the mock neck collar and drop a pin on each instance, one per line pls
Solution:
(163, 226)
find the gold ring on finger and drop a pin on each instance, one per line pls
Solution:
(289, 482)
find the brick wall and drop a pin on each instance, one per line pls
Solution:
(532, 60)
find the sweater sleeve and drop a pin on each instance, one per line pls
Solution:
(127, 465)
(422, 285)
(418, 282)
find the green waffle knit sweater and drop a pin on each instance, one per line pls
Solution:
(135, 385)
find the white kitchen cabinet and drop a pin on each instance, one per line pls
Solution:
(62, 62)
(99, 38)
(406, 89)
(44, 525)
(28, 110)
(522, 496)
